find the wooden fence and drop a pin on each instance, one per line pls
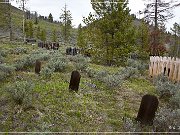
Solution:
(165, 65)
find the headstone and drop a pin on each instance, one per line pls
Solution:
(148, 107)
(37, 67)
(74, 82)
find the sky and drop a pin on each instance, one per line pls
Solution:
(80, 8)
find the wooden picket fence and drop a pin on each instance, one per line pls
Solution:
(165, 65)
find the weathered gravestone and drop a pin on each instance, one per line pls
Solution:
(74, 82)
(74, 51)
(37, 67)
(68, 51)
(148, 107)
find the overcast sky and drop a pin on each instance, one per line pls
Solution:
(80, 8)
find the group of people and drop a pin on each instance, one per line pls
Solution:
(49, 45)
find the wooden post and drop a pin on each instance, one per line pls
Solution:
(151, 67)
(178, 79)
(171, 67)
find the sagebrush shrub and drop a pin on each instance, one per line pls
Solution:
(57, 62)
(47, 72)
(129, 72)
(1, 59)
(130, 125)
(29, 60)
(19, 50)
(165, 87)
(90, 72)
(5, 71)
(21, 92)
(81, 63)
(175, 100)
(101, 74)
(112, 80)
(141, 66)
(167, 120)
(3, 54)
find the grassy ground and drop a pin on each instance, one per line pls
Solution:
(54, 108)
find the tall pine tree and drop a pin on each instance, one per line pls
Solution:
(111, 33)
(50, 18)
(157, 12)
(66, 19)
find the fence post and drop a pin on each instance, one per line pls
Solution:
(171, 67)
(178, 79)
(155, 66)
(151, 66)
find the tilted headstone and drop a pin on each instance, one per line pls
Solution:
(148, 107)
(37, 67)
(75, 80)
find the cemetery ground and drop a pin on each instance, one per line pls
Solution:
(43, 103)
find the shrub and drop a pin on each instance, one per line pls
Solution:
(100, 75)
(90, 72)
(175, 100)
(129, 72)
(47, 72)
(130, 125)
(2, 56)
(167, 120)
(19, 50)
(81, 63)
(113, 80)
(21, 92)
(57, 62)
(1, 59)
(29, 60)
(139, 65)
(5, 71)
(3, 53)
(165, 87)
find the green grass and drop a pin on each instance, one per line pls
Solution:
(54, 108)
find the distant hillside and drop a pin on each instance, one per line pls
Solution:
(17, 19)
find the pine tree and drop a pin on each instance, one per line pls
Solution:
(30, 30)
(50, 18)
(54, 35)
(158, 12)
(66, 19)
(112, 34)
(26, 28)
(80, 39)
(38, 32)
(176, 33)
(43, 35)
(36, 18)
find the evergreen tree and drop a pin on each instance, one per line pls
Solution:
(43, 35)
(81, 41)
(66, 19)
(54, 35)
(50, 18)
(158, 12)
(30, 30)
(38, 32)
(36, 18)
(175, 52)
(143, 31)
(26, 28)
(111, 35)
